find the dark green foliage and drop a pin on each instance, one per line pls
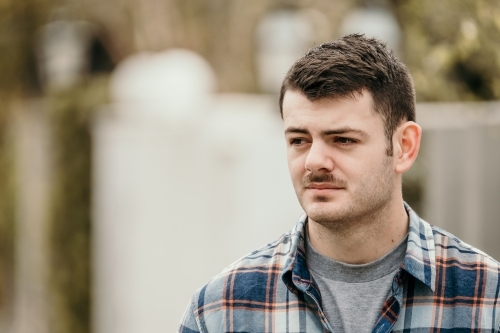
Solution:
(70, 230)
(70, 223)
(452, 48)
(19, 21)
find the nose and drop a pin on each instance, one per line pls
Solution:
(318, 158)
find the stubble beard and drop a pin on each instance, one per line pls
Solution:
(366, 206)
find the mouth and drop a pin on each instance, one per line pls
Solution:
(323, 187)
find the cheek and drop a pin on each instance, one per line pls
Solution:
(355, 171)
(296, 166)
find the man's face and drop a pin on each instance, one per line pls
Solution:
(337, 157)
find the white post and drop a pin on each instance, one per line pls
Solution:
(185, 182)
(149, 207)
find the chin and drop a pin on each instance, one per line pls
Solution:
(324, 211)
(324, 217)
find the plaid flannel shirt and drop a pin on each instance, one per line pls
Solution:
(444, 285)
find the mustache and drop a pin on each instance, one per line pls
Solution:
(323, 178)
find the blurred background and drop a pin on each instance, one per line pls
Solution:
(141, 146)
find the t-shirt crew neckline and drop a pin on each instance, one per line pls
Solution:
(352, 273)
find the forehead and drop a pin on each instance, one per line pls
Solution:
(355, 111)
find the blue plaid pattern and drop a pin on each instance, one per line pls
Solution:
(444, 285)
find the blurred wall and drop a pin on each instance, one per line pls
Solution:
(459, 163)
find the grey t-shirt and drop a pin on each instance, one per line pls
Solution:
(353, 295)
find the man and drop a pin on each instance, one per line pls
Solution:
(360, 260)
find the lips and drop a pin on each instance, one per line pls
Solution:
(323, 186)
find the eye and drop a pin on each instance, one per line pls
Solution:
(345, 141)
(297, 141)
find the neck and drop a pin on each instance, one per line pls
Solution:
(363, 240)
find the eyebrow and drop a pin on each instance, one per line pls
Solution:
(296, 130)
(337, 131)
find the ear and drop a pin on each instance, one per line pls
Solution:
(406, 143)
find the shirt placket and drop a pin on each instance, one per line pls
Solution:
(311, 291)
(392, 306)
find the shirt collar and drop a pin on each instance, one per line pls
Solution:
(420, 259)
(295, 273)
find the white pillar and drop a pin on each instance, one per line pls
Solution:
(150, 231)
(185, 183)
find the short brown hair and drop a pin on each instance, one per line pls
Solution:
(350, 64)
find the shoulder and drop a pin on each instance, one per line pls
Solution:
(449, 247)
(452, 279)
(242, 287)
(432, 247)
(248, 287)
(464, 272)
(466, 276)
(248, 274)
